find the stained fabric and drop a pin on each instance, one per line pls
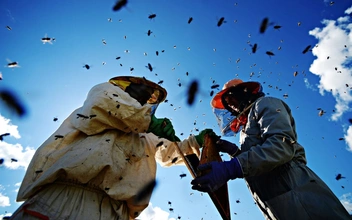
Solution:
(103, 145)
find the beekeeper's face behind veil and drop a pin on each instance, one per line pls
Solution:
(142, 90)
(232, 103)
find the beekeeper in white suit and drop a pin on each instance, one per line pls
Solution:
(93, 166)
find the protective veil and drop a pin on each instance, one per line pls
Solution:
(95, 163)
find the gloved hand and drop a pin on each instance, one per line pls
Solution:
(200, 136)
(220, 173)
(163, 128)
(227, 147)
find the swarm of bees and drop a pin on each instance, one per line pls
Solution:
(193, 89)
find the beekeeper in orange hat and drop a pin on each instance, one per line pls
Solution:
(102, 155)
(270, 159)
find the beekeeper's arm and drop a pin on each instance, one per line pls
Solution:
(109, 107)
(168, 152)
(278, 134)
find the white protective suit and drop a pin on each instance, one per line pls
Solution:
(95, 163)
(274, 167)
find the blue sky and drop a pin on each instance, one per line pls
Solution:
(51, 80)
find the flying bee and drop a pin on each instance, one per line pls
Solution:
(160, 82)
(183, 175)
(211, 92)
(9, 28)
(149, 32)
(277, 27)
(321, 112)
(12, 102)
(119, 4)
(339, 176)
(174, 160)
(306, 49)
(157, 53)
(2, 136)
(254, 48)
(58, 136)
(47, 39)
(55, 119)
(149, 67)
(270, 53)
(160, 144)
(221, 21)
(11, 64)
(215, 86)
(86, 66)
(152, 16)
(264, 25)
(14, 160)
(82, 116)
(190, 20)
(192, 91)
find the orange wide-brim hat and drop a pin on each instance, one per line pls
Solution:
(253, 87)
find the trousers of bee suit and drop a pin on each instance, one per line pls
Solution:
(64, 200)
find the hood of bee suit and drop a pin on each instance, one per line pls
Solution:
(158, 95)
(224, 118)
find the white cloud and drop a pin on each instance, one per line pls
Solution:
(154, 213)
(9, 151)
(346, 200)
(4, 200)
(15, 151)
(7, 127)
(333, 63)
(348, 138)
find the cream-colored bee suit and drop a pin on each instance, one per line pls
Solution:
(93, 166)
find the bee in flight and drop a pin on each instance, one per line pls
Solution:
(47, 39)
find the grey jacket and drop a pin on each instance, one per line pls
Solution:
(274, 167)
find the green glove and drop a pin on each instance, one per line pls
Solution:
(200, 136)
(163, 128)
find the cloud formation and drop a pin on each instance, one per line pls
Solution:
(4, 200)
(333, 64)
(348, 138)
(346, 200)
(14, 155)
(154, 213)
